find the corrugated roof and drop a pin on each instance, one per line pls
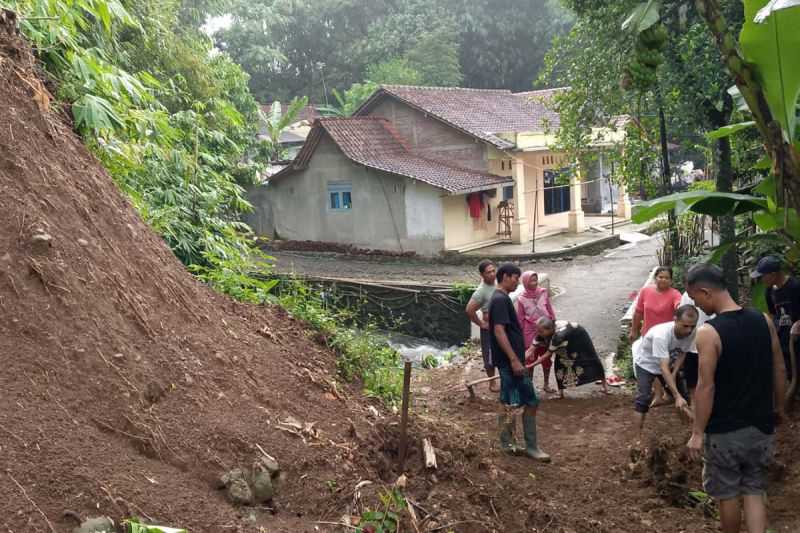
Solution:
(374, 143)
(481, 113)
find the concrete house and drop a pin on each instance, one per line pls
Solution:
(432, 169)
(356, 181)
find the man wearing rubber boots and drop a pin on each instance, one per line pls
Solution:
(508, 351)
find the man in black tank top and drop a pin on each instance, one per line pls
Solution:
(740, 393)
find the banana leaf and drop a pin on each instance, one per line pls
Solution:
(770, 43)
(702, 202)
(729, 130)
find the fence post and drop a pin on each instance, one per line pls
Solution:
(404, 413)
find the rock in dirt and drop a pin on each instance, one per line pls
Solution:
(41, 242)
(239, 492)
(101, 524)
(263, 489)
(269, 464)
(237, 488)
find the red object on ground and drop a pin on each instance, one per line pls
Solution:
(475, 204)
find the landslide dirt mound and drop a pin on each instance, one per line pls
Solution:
(127, 387)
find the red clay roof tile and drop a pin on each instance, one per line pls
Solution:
(481, 113)
(374, 143)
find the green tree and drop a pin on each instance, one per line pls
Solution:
(691, 82)
(172, 122)
(396, 71)
(305, 47)
(276, 123)
(435, 58)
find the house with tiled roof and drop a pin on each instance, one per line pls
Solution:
(428, 169)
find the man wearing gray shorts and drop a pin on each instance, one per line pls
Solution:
(480, 302)
(739, 397)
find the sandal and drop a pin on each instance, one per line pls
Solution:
(615, 381)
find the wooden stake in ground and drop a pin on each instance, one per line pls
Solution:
(430, 454)
(404, 413)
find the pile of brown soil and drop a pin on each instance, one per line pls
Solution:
(128, 387)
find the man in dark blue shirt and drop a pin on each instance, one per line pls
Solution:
(508, 353)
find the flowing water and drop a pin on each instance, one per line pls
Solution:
(424, 352)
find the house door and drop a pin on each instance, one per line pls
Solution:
(555, 200)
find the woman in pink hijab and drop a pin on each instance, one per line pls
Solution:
(533, 304)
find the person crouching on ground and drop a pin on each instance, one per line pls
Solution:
(480, 301)
(651, 358)
(576, 359)
(739, 398)
(533, 304)
(508, 350)
(655, 305)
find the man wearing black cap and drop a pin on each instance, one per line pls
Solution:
(783, 301)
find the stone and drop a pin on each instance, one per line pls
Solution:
(269, 464)
(83, 242)
(118, 356)
(239, 492)
(41, 242)
(263, 489)
(229, 477)
(101, 524)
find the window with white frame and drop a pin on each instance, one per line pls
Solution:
(340, 195)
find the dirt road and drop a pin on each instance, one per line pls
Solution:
(592, 486)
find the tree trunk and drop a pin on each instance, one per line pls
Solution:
(666, 177)
(727, 223)
(785, 157)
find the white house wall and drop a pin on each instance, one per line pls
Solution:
(424, 215)
(378, 219)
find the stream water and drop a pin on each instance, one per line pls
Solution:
(423, 352)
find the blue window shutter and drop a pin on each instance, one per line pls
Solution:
(341, 195)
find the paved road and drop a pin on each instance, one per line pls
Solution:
(597, 289)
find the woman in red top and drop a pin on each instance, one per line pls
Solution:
(656, 304)
(533, 304)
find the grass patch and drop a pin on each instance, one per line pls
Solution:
(624, 360)
(362, 352)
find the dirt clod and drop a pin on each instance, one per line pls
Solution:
(101, 524)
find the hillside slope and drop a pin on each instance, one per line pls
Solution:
(128, 387)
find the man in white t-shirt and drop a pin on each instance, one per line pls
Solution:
(651, 358)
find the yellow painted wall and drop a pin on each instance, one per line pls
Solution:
(462, 230)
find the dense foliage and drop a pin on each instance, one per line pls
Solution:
(309, 47)
(173, 122)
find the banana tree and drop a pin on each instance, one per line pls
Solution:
(766, 68)
(276, 122)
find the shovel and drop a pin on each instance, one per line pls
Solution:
(470, 386)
